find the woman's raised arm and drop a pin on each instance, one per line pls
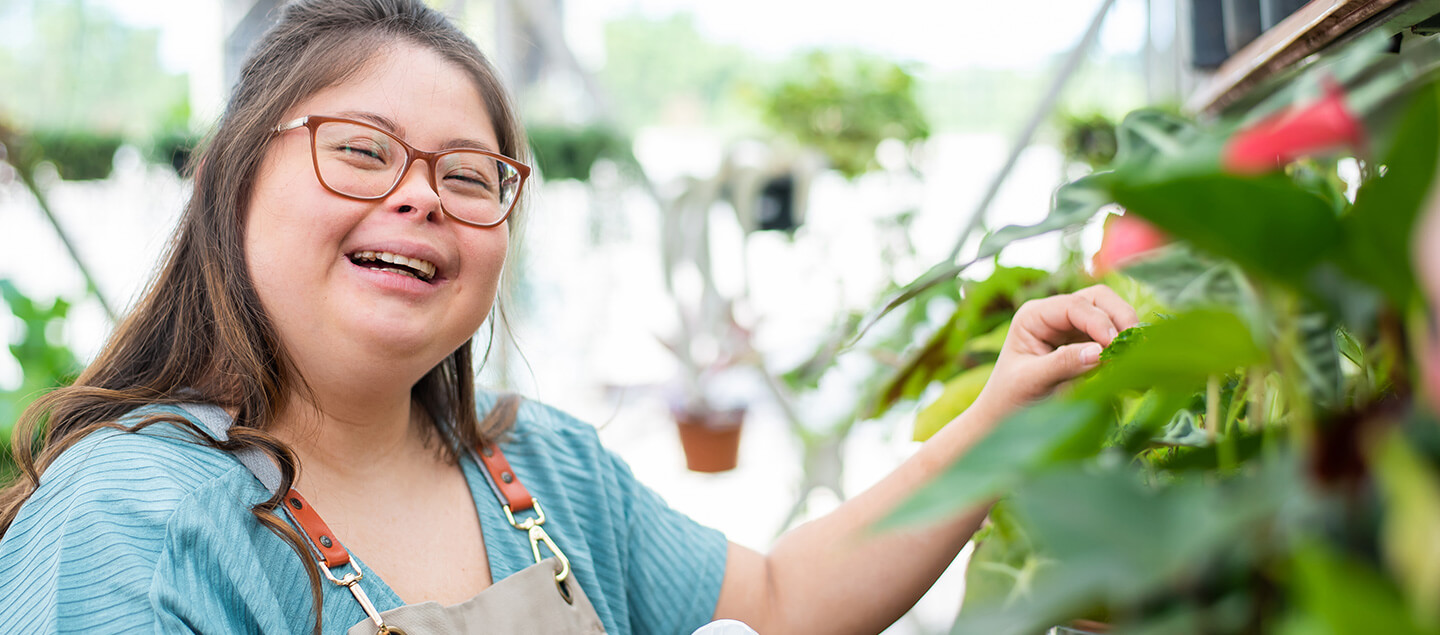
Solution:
(832, 575)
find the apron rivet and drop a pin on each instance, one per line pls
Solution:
(487, 451)
(507, 477)
(325, 540)
(295, 502)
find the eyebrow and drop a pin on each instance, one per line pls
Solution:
(389, 125)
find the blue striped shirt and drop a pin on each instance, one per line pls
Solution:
(151, 531)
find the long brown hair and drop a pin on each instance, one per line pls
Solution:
(199, 333)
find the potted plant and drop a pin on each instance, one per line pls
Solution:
(710, 405)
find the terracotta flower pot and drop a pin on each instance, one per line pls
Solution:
(711, 439)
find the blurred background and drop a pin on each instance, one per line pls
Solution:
(723, 187)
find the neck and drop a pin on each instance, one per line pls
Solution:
(353, 435)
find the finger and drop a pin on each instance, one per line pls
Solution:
(1062, 318)
(1120, 311)
(1067, 362)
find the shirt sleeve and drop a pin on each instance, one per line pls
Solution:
(81, 554)
(146, 532)
(646, 567)
(675, 565)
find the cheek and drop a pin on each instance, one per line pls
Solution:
(484, 257)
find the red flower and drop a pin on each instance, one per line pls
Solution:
(1127, 238)
(1289, 135)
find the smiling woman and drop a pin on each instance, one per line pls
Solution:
(311, 330)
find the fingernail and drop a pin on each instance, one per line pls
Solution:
(1113, 332)
(1090, 354)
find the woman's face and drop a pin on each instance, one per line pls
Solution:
(342, 314)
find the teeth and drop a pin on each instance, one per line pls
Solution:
(425, 268)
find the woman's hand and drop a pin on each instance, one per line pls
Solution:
(1051, 341)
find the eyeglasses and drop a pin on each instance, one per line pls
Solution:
(359, 161)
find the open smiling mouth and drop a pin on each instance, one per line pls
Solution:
(394, 263)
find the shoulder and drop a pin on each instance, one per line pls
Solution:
(109, 503)
(541, 425)
(152, 461)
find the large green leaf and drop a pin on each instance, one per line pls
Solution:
(1109, 540)
(1145, 134)
(959, 394)
(1182, 279)
(1004, 564)
(1411, 538)
(1025, 442)
(1266, 224)
(1349, 597)
(1377, 230)
(1178, 354)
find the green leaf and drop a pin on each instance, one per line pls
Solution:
(1410, 537)
(1112, 541)
(1147, 133)
(1318, 359)
(985, 305)
(1004, 564)
(1377, 230)
(1075, 204)
(1030, 440)
(960, 392)
(1266, 224)
(1177, 354)
(1182, 278)
(1349, 597)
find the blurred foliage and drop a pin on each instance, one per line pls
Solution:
(568, 152)
(845, 105)
(1251, 459)
(661, 71)
(71, 65)
(45, 363)
(77, 154)
(174, 147)
(1087, 139)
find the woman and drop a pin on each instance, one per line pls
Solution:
(311, 329)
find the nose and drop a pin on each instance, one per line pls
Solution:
(416, 192)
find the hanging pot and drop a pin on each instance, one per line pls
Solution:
(710, 438)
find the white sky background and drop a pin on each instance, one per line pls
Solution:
(947, 35)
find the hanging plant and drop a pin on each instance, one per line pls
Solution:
(78, 155)
(174, 148)
(568, 152)
(845, 105)
(1088, 139)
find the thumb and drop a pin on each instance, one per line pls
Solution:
(1065, 362)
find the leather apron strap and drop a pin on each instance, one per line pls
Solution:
(539, 599)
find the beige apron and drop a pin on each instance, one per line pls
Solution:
(542, 598)
(522, 604)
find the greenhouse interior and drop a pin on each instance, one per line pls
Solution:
(1060, 317)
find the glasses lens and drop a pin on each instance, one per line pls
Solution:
(357, 160)
(476, 187)
(365, 162)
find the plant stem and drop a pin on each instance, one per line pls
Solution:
(1255, 411)
(27, 176)
(1212, 407)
